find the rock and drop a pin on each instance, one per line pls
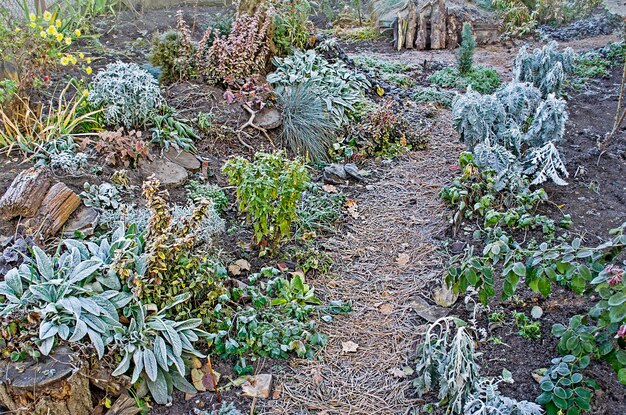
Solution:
(457, 247)
(353, 171)
(84, 221)
(430, 313)
(183, 159)
(58, 205)
(257, 386)
(268, 118)
(25, 194)
(335, 174)
(169, 174)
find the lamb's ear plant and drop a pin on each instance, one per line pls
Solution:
(156, 348)
(103, 196)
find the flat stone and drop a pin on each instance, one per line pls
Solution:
(335, 174)
(268, 118)
(31, 375)
(353, 171)
(167, 173)
(428, 312)
(84, 221)
(183, 158)
(257, 386)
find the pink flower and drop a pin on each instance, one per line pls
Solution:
(615, 270)
(622, 332)
(614, 280)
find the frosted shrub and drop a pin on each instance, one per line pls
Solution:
(514, 133)
(128, 94)
(545, 68)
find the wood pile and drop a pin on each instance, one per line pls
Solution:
(432, 24)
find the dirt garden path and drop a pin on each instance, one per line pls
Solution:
(383, 263)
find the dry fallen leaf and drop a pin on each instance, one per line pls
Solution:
(397, 372)
(403, 259)
(243, 264)
(202, 380)
(386, 308)
(329, 188)
(349, 346)
(352, 208)
(234, 269)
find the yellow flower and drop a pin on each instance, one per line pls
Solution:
(32, 17)
(81, 55)
(47, 16)
(73, 60)
(77, 32)
(68, 40)
(42, 34)
(88, 70)
(33, 25)
(64, 61)
(85, 93)
(52, 30)
(58, 23)
(88, 60)
(59, 37)
(18, 30)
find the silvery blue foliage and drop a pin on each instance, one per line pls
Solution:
(487, 400)
(514, 132)
(128, 94)
(545, 68)
(103, 196)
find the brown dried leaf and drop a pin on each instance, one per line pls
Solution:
(349, 346)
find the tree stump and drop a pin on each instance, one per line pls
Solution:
(25, 194)
(56, 384)
(438, 25)
(411, 31)
(60, 202)
(422, 27)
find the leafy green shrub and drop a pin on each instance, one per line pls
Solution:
(273, 323)
(128, 94)
(165, 54)
(170, 263)
(339, 87)
(157, 348)
(481, 79)
(268, 191)
(545, 68)
(196, 191)
(465, 53)
(432, 94)
(169, 131)
(527, 329)
(563, 387)
(292, 28)
(307, 130)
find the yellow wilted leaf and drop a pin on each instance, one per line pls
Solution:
(379, 90)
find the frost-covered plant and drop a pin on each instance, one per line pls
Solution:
(197, 190)
(338, 86)
(103, 196)
(446, 361)
(62, 154)
(157, 349)
(307, 130)
(59, 289)
(244, 52)
(225, 409)
(13, 251)
(513, 132)
(545, 68)
(487, 400)
(128, 94)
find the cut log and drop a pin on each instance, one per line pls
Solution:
(452, 26)
(53, 385)
(25, 194)
(421, 41)
(411, 31)
(438, 25)
(60, 202)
